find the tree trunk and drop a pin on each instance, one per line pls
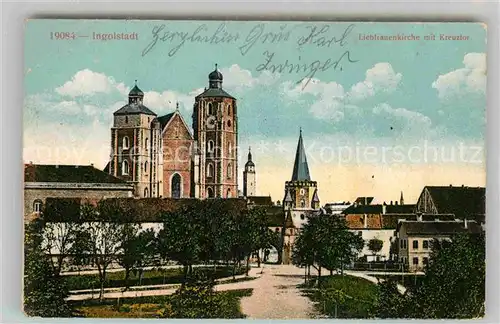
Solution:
(234, 270)
(331, 272)
(248, 265)
(127, 277)
(185, 270)
(101, 291)
(258, 259)
(319, 276)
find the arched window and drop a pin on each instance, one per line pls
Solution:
(210, 170)
(210, 146)
(302, 217)
(126, 142)
(146, 193)
(302, 203)
(145, 166)
(229, 109)
(228, 124)
(210, 193)
(210, 108)
(229, 171)
(37, 206)
(126, 119)
(146, 143)
(175, 186)
(125, 167)
(228, 193)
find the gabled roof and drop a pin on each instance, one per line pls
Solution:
(261, 200)
(461, 201)
(300, 166)
(132, 109)
(67, 174)
(363, 209)
(165, 119)
(441, 228)
(363, 200)
(214, 92)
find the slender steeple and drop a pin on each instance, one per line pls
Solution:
(300, 167)
(401, 200)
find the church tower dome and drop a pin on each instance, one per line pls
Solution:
(215, 79)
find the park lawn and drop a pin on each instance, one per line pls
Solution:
(359, 297)
(147, 307)
(149, 277)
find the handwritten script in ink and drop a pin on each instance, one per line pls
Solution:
(318, 36)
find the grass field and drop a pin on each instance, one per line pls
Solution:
(147, 307)
(149, 277)
(343, 296)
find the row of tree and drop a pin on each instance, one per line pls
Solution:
(326, 242)
(202, 232)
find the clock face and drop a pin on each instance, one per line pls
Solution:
(302, 192)
(211, 122)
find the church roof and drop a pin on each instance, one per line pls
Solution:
(134, 108)
(136, 91)
(214, 92)
(165, 119)
(300, 167)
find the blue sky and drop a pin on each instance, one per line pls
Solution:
(393, 92)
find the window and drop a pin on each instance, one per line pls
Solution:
(210, 146)
(230, 150)
(401, 243)
(228, 195)
(228, 124)
(210, 109)
(302, 217)
(426, 244)
(210, 193)
(146, 143)
(37, 206)
(176, 186)
(210, 170)
(145, 166)
(125, 167)
(126, 119)
(229, 110)
(229, 171)
(425, 260)
(277, 229)
(126, 142)
(415, 244)
(302, 203)
(146, 192)
(302, 191)
(405, 243)
(415, 260)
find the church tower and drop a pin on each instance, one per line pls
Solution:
(136, 146)
(249, 184)
(301, 193)
(215, 126)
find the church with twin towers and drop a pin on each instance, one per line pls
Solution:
(163, 157)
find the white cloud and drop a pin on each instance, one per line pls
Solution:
(237, 78)
(380, 78)
(168, 99)
(409, 120)
(469, 79)
(87, 82)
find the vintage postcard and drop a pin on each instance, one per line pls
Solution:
(259, 170)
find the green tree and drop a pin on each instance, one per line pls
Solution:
(375, 245)
(390, 303)
(44, 292)
(454, 282)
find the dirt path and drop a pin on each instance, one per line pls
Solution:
(275, 295)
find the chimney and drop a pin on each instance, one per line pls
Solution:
(365, 221)
(396, 203)
(384, 209)
(391, 202)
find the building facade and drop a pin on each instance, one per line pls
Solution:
(68, 181)
(215, 126)
(162, 157)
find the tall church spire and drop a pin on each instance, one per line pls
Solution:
(401, 199)
(300, 167)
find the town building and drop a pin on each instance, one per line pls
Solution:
(160, 155)
(415, 238)
(42, 182)
(377, 221)
(249, 180)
